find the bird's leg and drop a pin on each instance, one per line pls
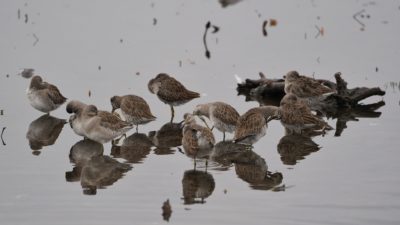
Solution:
(137, 128)
(172, 113)
(223, 139)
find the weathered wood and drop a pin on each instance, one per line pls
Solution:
(344, 105)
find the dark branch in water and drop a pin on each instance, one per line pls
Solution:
(2, 140)
(264, 27)
(26, 18)
(343, 105)
(208, 25)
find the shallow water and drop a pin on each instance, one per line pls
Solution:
(115, 48)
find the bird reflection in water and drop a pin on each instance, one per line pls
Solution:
(167, 138)
(197, 186)
(92, 168)
(253, 169)
(100, 172)
(44, 131)
(134, 149)
(80, 154)
(249, 166)
(294, 147)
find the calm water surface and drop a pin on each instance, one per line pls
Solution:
(109, 48)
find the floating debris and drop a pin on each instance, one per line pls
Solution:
(180, 63)
(19, 14)
(264, 28)
(26, 18)
(225, 191)
(166, 210)
(355, 17)
(321, 31)
(216, 29)
(305, 36)
(137, 73)
(121, 40)
(2, 132)
(99, 68)
(89, 93)
(225, 3)
(273, 22)
(36, 39)
(27, 73)
(7, 75)
(1, 112)
(318, 60)
(154, 21)
(376, 69)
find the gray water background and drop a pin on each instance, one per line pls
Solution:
(353, 179)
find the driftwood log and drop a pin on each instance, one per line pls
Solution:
(344, 105)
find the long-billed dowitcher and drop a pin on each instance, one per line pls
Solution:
(304, 87)
(252, 125)
(197, 141)
(43, 96)
(297, 117)
(75, 108)
(223, 116)
(134, 109)
(100, 126)
(170, 91)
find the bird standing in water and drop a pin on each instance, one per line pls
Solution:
(297, 117)
(253, 124)
(223, 116)
(170, 91)
(197, 141)
(134, 109)
(43, 96)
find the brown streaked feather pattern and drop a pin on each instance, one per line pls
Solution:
(136, 106)
(225, 113)
(111, 121)
(172, 91)
(55, 94)
(303, 86)
(295, 112)
(249, 124)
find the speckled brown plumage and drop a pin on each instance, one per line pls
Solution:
(44, 96)
(196, 139)
(223, 116)
(252, 125)
(304, 87)
(170, 91)
(134, 108)
(296, 116)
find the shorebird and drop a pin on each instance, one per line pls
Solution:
(297, 117)
(100, 126)
(304, 87)
(197, 141)
(170, 91)
(252, 125)
(75, 108)
(134, 109)
(43, 96)
(223, 116)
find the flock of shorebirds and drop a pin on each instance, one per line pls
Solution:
(294, 112)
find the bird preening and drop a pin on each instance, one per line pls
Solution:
(103, 126)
